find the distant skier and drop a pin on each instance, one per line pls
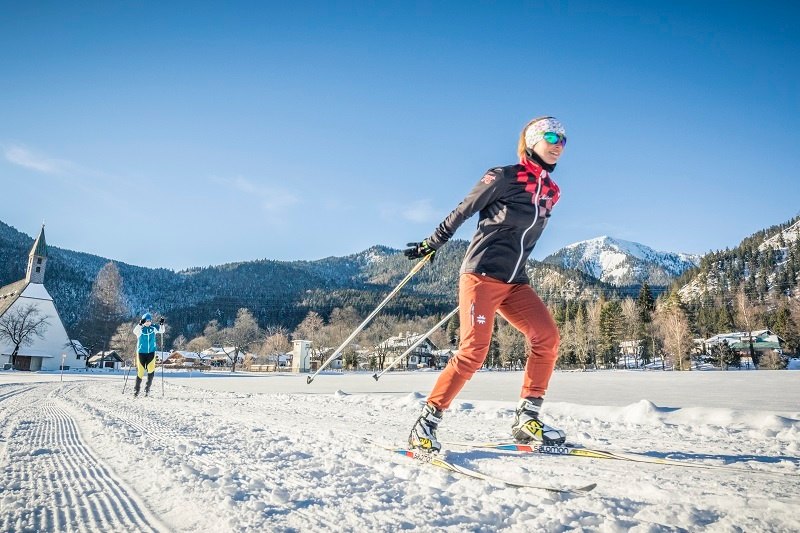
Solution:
(146, 332)
(514, 203)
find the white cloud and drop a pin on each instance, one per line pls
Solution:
(27, 158)
(271, 198)
(420, 211)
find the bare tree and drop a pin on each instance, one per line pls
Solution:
(672, 326)
(20, 326)
(198, 344)
(439, 338)
(312, 329)
(746, 316)
(513, 345)
(179, 343)
(124, 342)
(243, 334)
(376, 335)
(275, 344)
(340, 325)
(105, 310)
(566, 346)
(632, 324)
(581, 338)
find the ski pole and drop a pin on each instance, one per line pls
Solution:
(352, 336)
(162, 364)
(126, 377)
(417, 343)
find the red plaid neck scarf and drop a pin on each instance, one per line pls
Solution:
(533, 174)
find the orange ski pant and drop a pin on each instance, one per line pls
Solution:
(479, 298)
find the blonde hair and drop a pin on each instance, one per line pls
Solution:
(521, 146)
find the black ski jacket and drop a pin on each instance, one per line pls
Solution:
(515, 203)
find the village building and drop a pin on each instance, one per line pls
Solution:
(763, 342)
(106, 359)
(423, 356)
(184, 359)
(54, 348)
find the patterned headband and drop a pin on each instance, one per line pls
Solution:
(536, 131)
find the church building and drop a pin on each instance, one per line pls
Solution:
(47, 352)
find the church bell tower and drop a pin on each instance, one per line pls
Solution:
(37, 260)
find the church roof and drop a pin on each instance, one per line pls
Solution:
(40, 245)
(10, 293)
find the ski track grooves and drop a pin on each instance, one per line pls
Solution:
(78, 494)
(142, 425)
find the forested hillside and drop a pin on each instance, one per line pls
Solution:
(277, 292)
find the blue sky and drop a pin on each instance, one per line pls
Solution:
(200, 134)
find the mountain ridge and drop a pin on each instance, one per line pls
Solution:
(622, 263)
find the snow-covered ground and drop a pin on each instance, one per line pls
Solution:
(271, 453)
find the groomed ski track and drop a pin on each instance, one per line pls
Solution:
(80, 456)
(52, 481)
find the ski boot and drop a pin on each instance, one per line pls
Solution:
(137, 387)
(423, 434)
(148, 384)
(527, 426)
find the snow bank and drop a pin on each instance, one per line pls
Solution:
(235, 460)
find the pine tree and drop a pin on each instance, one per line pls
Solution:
(610, 331)
(453, 330)
(646, 303)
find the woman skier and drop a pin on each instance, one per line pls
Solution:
(146, 333)
(514, 203)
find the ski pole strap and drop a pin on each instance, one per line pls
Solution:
(416, 343)
(366, 321)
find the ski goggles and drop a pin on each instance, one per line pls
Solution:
(555, 138)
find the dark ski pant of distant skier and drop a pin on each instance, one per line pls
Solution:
(145, 362)
(480, 297)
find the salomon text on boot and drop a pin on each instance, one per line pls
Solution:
(423, 434)
(528, 428)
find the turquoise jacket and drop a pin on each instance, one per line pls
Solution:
(147, 337)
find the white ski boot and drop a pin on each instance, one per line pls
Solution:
(423, 434)
(527, 426)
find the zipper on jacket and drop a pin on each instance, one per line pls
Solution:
(522, 239)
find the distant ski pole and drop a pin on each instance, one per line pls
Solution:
(126, 376)
(162, 362)
(352, 336)
(417, 343)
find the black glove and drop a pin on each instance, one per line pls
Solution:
(141, 322)
(418, 250)
(161, 321)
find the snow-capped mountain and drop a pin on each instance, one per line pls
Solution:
(623, 263)
(782, 240)
(766, 262)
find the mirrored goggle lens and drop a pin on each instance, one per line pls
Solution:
(555, 138)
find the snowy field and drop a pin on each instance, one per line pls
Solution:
(271, 453)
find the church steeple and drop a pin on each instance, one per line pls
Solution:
(37, 260)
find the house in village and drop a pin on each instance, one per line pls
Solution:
(763, 341)
(48, 352)
(223, 356)
(106, 359)
(423, 356)
(184, 359)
